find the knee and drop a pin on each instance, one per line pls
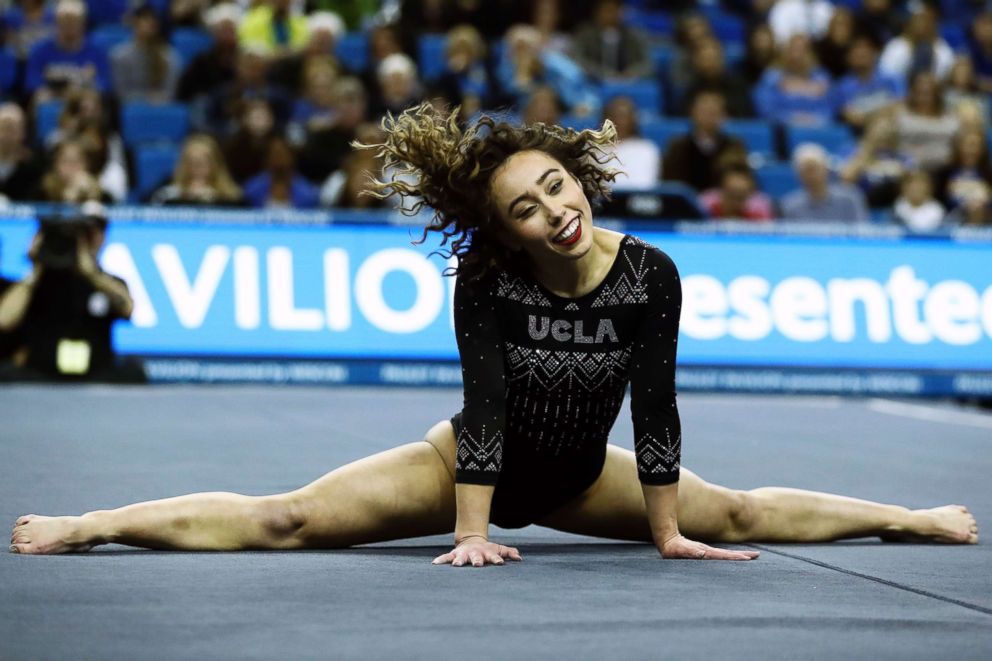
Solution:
(281, 516)
(743, 512)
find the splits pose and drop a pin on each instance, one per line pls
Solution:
(553, 318)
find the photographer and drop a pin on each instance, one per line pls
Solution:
(63, 310)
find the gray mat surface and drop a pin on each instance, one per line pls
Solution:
(68, 450)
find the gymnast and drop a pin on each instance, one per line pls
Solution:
(554, 317)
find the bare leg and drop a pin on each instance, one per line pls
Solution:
(404, 492)
(614, 507)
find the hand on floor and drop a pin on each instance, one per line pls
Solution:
(680, 547)
(478, 552)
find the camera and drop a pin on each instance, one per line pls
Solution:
(60, 237)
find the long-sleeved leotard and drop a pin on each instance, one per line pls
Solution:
(545, 376)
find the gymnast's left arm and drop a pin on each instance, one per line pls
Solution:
(657, 427)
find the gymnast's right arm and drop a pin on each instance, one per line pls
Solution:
(479, 446)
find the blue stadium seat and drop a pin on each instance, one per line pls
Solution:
(835, 138)
(661, 57)
(8, 69)
(106, 37)
(776, 179)
(190, 42)
(662, 130)
(145, 122)
(46, 119)
(658, 23)
(106, 11)
(153, 164)
(756, 134)
(353, 51)
(729, 29)
(430, 56)
(580, 123)
(646, 94)
(955, 35)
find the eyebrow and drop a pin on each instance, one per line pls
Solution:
(520, 198)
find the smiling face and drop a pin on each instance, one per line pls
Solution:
(541, 208)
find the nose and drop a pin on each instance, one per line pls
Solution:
(557, 216)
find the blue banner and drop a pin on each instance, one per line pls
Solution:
(365, 292)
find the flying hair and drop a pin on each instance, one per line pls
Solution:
(432, 162)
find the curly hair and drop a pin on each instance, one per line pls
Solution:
(433, 162)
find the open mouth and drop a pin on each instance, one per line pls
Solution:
(570, 234)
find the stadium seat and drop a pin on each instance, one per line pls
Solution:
(662, 130)
(106, 37)
(955, 35)
(646, 94)
(580, 123)
(661, 57)
(144, 122)
(729, 29)
(8, 69)
(153, 164)
(835, 138)
(190, 42)
(756, 134)
(353, 51)
(106, 12)
(46, 119)
(776, 179)
(657, 23)
(430, 56)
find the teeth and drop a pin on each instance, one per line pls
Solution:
(567, 233)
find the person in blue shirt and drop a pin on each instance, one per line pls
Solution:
(796, 91)
(67, 59)
(865, 90)
(280, 185)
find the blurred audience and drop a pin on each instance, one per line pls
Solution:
(200, 177)
(968, 169)
(466, 78)
(347, 186)
(546, 16)
(796, 91)
(980, 49)
(831, 49)
(819, 199)
(326, 146)
(879, 18)
(324, 31)
(639, 158)
(543, 107)
(760, 53)
(399, 85)
(246, 150)
(69, 179)
(697, 157)
(865, 91)
(691, 29)
(924, 125)
(916, 208)
(20, 166)
(919, 48)
(280, 185)
(26, 23)
(737, 197)
(809, 18)
(147, 67)
(877, 166)
(251, 83)
(709, 71)
(67, 60)
(962, 88)
(215, 67)
(274, 26)
(314, 109)
(608, 49)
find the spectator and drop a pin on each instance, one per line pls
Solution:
(640, 158)
(27, 23)
(348, 187)
(189, 13)
(962, 87)
(546, 16)
(737, 197)
(980, 50)
(466, 78)
(975, 211)
(69, 179)
(919, 48)
(356, 14)
(819, 199)
(969, 168)
(83, 119)
(326, 146)
(273, 27)
(245, 151)
(324, 30)
(760, 53)
(698, 157)
(916, 208)
(691, 29)
(280, 186)
(709, 70)
(524, 67)
(866, 91)
(608, 49)
(200, 177)
(543, 107)
(831, 49)
(215, 67)
(66, 60)
(796, 91)
(251, 83)
(65, 307)
(877, 167)
(315, 109)
(809, 18)
(398, 85)
(925, 127)
(147, 67)
(384, 40)
(20, 168)
(880, 19)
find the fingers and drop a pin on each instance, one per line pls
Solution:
(478, 555)
(712, 553)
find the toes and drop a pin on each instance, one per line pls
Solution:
(15, 548)
(25, 519)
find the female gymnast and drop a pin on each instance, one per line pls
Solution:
(553, 318)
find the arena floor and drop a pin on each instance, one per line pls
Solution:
(67, 450)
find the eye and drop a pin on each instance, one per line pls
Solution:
(526, 212)
(555, 187)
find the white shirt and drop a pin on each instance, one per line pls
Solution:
(640, 160)
(809, 17)
(898, 55)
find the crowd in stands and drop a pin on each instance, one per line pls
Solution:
(852, 110)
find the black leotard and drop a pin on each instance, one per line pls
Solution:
(545, 376)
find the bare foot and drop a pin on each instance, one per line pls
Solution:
(950, 524)
(47, 535)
